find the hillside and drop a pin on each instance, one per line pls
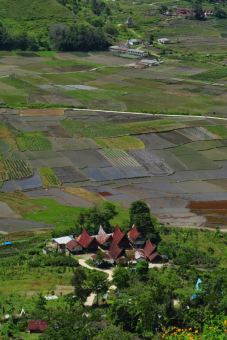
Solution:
(33, 16)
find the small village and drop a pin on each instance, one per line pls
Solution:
(115, 247)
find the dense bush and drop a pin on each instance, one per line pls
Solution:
(77, 37)
(55, 259)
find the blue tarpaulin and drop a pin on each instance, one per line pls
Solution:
(7, 243)
(197, 289)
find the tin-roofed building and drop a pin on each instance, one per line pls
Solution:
(60, 242)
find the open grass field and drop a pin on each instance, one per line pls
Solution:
(120, 143)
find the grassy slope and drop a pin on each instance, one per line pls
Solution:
(33, 15)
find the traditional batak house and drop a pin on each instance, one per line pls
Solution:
(120, 238)
(116, 253)
(37, 326)
(89, 243)
(150, 252)
(135, 238)
(104, 239)
(74, 247)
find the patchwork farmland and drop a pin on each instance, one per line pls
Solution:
(167, 162)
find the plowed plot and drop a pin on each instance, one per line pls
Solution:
(197, 162)
(119, 158)
(94, 129)
(174, 137)
(215, 212)
(151, 163)
(33, 144)
(219, 131)
(95, 174)
(42, 112)
(120, 143)
(69, 174)
(59, 132)
(72, 144)
(153, 141)
(197, 133)
(13, 169)
(133, 172)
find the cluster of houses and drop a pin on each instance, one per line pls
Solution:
(132, 42)
(113, 245)
(128, 50)
(185, 13)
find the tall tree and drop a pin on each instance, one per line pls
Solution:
(121, 277)
(98, 282)
(79, 282)
(140, 215)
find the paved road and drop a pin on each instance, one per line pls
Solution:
(91, 297)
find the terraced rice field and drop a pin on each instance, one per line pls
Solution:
(14, 169)
(34, 144)
(69, 174)
(48, 177)
(119, 158)
(120, 143)
(220, 131)
(93, 130)
(153, 164)
(197, 133)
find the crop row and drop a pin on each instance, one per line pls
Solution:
(13, 169)
(211, 75)
(92, 129)
(36, 144)
(197, 133)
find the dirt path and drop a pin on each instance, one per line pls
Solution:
(135, 33)
(91, 297)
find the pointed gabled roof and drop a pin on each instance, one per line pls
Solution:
(102, 236)
(149, 248)
(115, 252)
(154, 256)
(118, 235)
(85, 239)
(72, 244)
(133, 234)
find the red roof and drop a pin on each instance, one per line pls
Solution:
(149, 248)
(85, 239)
(72, 244)
(133, 234)
(37, 325)
(153, 256)
(102, 237)
(118, 235)
(115, 252)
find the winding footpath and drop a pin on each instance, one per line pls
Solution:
(91, 297)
